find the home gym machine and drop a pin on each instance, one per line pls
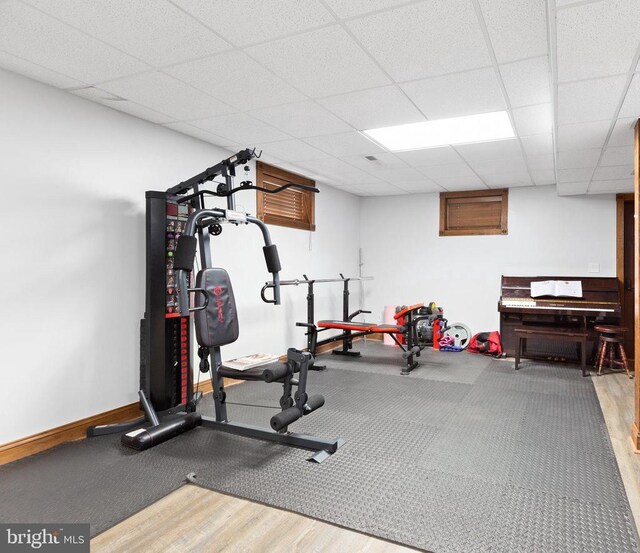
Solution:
(178, 223)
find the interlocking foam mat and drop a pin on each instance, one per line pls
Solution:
(465, 454)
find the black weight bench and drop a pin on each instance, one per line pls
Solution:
(579, 337)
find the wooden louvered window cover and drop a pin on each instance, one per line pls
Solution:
(292, 208)
(474, 213)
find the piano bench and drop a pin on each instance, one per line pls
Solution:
(577, 336)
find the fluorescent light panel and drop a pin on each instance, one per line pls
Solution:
(443, 132)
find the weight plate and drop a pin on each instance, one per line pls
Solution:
(460, 333)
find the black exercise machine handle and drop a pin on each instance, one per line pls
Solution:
(244, 186)
(186, 250)
(356, 313)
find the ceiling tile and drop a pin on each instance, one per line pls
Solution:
(517, 28)
(621, 155)
(395, 175)
(165, 94)
(543, 177)
(430, 156)
(572, 188)
(225, 76)
(424, 39)
(244, 22)
(592, 100)
(29, 34)
(297, 170)
(373, 108)
(241, 128)
(114, 102)
(302, 119)
(454, 184)
(537, 144)
(582, 136)
(577, 159)
(533, 119)
(345, 144)
(37, 72)
(339, 64)
(496, 150)
(419, 186)
(383, 161)
(459, 94)
(359, 7)
(294, 150)
(491, 167)
(340, 171)
(449, 170)
(510, 179)
(156, 32)
(527, 81)
(631, 105)
(541, 163)
(597, 39)
(574, 175)
(375, 189)
(611, 186)
(622, 134)
(139, 111)
(190, 130)
(614, 172)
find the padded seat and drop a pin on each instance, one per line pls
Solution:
(388, 329)
(262, 373)
(347, 325)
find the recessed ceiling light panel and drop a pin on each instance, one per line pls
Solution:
(443, 132)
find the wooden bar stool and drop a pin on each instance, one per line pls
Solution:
(611, 352)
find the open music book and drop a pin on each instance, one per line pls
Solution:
(557, 288)
(250, 361)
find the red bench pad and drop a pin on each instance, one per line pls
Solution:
(388, 329)
(347, 325)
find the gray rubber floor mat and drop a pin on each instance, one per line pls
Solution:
(463, 455)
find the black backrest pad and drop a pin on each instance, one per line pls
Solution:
(216, 325)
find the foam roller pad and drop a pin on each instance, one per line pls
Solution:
(285, 418)
(272, 258)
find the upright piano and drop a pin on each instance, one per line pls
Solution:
(600, 304)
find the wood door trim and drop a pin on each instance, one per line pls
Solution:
(620, 200)
(635, 430)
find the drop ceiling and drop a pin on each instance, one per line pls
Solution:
(300, 78)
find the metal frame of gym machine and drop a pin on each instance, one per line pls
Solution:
(410, 349)
(164, 389)
(312, 332)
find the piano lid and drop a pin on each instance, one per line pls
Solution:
(597, 292)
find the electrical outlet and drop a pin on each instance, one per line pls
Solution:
(593, 268)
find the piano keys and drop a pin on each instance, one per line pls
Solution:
(600, 304)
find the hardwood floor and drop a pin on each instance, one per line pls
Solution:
(616, 396)
(196, 519)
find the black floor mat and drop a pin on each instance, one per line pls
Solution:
(477, 458)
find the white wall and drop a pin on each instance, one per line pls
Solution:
(73, 176)
(548, 235)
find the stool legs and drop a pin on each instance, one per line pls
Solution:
(625, 364)
(612, 349)
(601, 352)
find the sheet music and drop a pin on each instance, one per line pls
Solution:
(557, 288)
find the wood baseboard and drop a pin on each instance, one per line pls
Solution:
(77, 430)
(66, 433)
